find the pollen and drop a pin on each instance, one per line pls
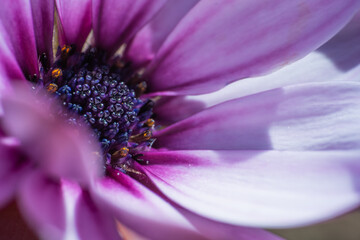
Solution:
(65, 49)
(52, 87)
(147, 134)
(123, 152)
(141, 137)
(56, 73)
(150, 122)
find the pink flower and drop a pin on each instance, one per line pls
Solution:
(273, 156)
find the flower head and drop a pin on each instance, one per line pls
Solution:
(83, 133)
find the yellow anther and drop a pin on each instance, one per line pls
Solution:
(144, 136)
(150, 122)
(65, 49)
(147, 134)
(52, 87)
(56, 73)
(123, 152)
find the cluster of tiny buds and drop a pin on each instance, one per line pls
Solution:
(102, 93)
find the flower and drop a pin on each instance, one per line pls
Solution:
(271, 159)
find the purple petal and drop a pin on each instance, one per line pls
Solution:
(75, 21)
(259, 188)
(115, 22)
(12, 169)
(314, 116)
(219, 230)
(43, 17)
(141, 210)
(84, 219)
(150, 38)
(219, 42)
(61, 210)
(51, 143)
(146, 213)
(9, 67)
(16, 19)
(171, 109)
(337, 60)
(344, 51)
(41, 202)
(5, 86)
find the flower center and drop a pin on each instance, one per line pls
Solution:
(106, 94)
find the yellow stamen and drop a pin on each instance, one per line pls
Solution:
(150, 122)
(52, 87)
(147, 134)
(144, 136)
(123, 152)
(56, 73)
(65, 49)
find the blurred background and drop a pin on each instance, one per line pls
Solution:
(343, 228)
(347, 227)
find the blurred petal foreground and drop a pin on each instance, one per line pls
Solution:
(179, 119)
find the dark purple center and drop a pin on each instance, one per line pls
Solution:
(106, 94)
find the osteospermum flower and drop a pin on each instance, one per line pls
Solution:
(91, 153)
